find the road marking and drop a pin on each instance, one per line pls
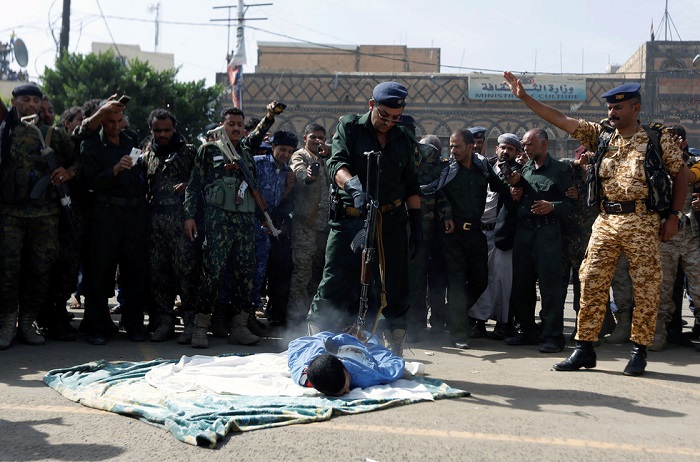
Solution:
(567, 442)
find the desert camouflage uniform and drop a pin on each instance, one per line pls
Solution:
(622, 178)
(173, 258)
(683, 249)
(309, 233)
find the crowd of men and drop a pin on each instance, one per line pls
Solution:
(456, 241)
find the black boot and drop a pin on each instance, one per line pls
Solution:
(638, 360)
(583, 356)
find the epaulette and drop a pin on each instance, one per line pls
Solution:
(657, 126)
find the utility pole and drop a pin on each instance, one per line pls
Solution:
(65, 29)
(242, 8)
(151, 9)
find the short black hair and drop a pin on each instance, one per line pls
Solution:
(90, 106)
(69, 114)
(251, 124)
(161, 114)
(465, 134)
(310, 128)
(231, 111)
(326, 373)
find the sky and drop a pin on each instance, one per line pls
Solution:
(534, 36)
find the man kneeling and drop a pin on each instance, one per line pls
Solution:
(334, 364)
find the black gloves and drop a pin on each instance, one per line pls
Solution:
(415, 240)
(354, 188)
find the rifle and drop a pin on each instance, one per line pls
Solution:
(366, 240)
(239, 165)
(49, 155)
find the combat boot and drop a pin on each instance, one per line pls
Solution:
(8, 322)
(583, 356)
(239, 333)
(27, 331)
(188, 320)
(393, 340)
(638, 361)
(621, 333)
(199, 333)
(165, 329)
(256, 327)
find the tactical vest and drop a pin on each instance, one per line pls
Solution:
(20, 174)
(658, 180)
(229, 191)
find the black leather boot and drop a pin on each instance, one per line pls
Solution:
(583, 356)
(638, 360)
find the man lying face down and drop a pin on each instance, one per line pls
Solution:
(334, 364)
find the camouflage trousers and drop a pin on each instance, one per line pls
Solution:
(174, 263)
(229, 240)
(637, 235)
(308, 256)
(683, 249)
(28, 248)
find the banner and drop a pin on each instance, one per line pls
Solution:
(483, 87)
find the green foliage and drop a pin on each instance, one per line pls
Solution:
(78, 78)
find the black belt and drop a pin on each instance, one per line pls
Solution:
(467, 226)
(616, 208)
(385, 208)
(537, 222)
(120, 201)
(488, 226)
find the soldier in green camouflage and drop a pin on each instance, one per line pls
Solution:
(173, 259)
(28, 215)
(229, 210)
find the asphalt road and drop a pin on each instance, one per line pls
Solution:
(519, 410)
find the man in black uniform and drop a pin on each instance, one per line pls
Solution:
(334, 305)
(117, 233)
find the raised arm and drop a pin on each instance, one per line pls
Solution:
(552, 115)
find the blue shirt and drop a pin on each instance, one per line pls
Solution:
(368, 365)
(271, 180)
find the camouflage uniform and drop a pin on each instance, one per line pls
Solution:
(28, 227)
(622, 179)
(229, 235)
(684, 250)
(174, 260)
(309, 233)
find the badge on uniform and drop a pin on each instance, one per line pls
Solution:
(240, 195)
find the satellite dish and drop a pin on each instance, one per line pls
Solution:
(20, 51)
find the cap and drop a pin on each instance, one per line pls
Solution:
(27, 89)
(284, 138)
(622, 93)
(478, 132)
(390, 94)
(509, 138)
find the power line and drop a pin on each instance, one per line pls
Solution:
(114, 43)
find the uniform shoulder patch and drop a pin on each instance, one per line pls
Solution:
(657, 126)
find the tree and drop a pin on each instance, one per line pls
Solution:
(78, 78)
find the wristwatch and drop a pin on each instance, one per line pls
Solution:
(677, 213)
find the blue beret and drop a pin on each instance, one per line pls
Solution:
(284, 138)
(27, 89)
(694, 151)
(478, 132)
(390, 94)
(622, 93)
(509, 138)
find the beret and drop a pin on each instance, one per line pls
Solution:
(478, 132)
(27, 89)
(622, 93)
(284, 138)
(390, 94)
(509, 138)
